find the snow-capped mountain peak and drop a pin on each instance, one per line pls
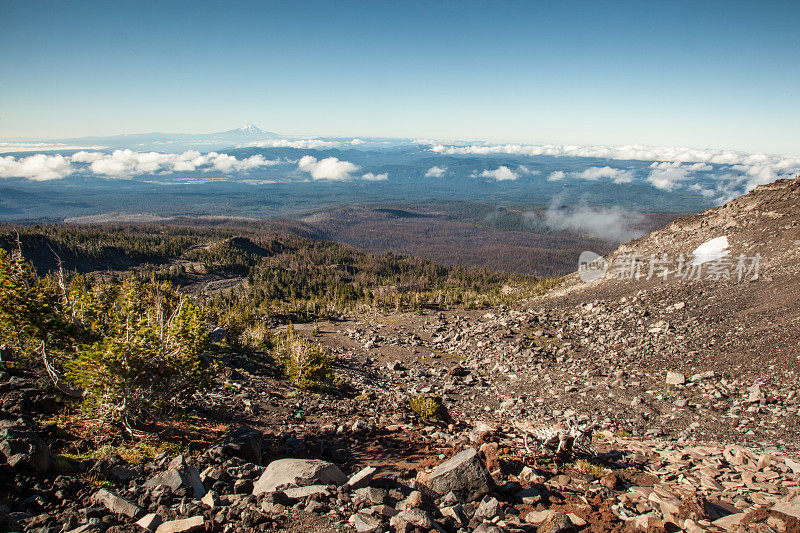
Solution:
(250, 128)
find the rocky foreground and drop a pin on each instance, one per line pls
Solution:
(364, 461)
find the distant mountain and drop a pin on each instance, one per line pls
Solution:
(249, 129)
(177, 141)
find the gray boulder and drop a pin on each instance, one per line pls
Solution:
(195, 523)
(298, 472)
(557, 523)
(365, 523)
(243, 442)
(487, 527)
(361, 478)
(116, 504)
(22, 448)
(407, 521)
(149, 522)
(488, 509)
(464, 474)
(179, 475)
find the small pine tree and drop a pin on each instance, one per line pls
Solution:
(30, 310)
(307, 365)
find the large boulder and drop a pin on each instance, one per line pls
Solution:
(183, 525)
(410, 520)
(22, 447)
(179, 475)
(243, 442)
(298, 472)
(557, 523)
(464, 474)
(116, 504)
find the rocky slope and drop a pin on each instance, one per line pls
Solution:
(687, 389)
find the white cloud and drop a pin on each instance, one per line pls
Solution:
(668, 176)
(759, 167)
(356, 142)
(611, 224)
(39, 167)
(501, 173)
(617, 175)
(504, 173)
(330, 168)
(124, 163)
(86, 157)
(436, 172)
(189, 161)
(369, 176)
(308, 144)
(522, 169)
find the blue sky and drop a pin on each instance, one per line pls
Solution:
(702, 74)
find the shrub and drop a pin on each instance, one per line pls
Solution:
(146, 361)
(586, 467)
(427, 408)
(307, 365)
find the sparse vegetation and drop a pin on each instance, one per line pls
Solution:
(307, 365)
(133, 346)
(280, 276)
(593, 470)
(133, 453)
(427, 407)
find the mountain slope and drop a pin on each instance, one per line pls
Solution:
(744, 329)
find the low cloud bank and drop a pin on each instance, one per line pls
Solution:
(125, 163)
(757, 168)
(6, 147)
(308, 144)
(369, 176)
(610, 224)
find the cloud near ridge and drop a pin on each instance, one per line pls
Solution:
(124, 163)
(610, 224)
(617, 175)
